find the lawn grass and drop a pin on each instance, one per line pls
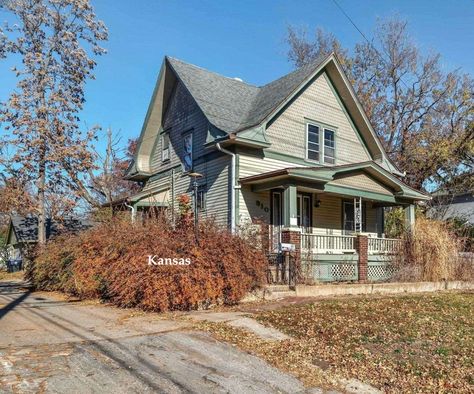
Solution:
(412, 343)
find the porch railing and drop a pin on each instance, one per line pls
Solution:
(384, 245)
(327, 243)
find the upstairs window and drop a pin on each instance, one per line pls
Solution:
(165, 147)
(329, 147)
(188, 152)
(320, 144)
(313, 142)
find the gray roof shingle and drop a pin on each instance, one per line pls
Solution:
(232, 105)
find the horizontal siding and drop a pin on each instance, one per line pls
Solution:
(249, 210)
(216, 180)
(362, 182)
(218, 189)
(250, 165)
(318, 103)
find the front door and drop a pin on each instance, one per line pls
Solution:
(303, 212)
(276, 219)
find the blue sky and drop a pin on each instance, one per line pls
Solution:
(240, 39)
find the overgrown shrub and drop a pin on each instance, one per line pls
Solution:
(432, 253)
(111, 262)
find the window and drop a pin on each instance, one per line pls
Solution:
(320, 144)
(188, 152)
(165, 147)
(313, 142)
(348, 217)
(201, 198)
(329, 147)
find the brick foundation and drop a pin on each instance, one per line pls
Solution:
(362, 249)
(292, 236)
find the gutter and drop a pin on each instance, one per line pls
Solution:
(133, 209)
(232, 180)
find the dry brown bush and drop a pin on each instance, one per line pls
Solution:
(110, 262)
(432, 252)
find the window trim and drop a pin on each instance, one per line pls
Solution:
(188, 133)
(322, 128)
(163, 134)
(345, 201)
(202, 198)
(324, 146)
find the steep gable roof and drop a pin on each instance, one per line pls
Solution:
(237, 110)
(231, 104)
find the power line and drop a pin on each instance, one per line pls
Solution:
(365, 38)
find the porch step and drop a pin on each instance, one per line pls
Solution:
(277, 292)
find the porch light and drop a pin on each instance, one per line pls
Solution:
(317, 202)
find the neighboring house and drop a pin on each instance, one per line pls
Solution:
(298, 153)
(23, 231)
(449, 206)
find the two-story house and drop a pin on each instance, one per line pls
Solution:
(298, 153)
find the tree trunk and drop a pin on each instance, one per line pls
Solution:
(42, 204)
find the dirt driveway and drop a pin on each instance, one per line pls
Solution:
(53, 346)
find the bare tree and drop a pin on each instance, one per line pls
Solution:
(107, 183)
(421, 114)
(54, 41)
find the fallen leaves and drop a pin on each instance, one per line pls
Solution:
(417, 343)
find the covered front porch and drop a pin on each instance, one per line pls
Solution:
(324, 212)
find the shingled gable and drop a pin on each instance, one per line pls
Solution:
(233, 107)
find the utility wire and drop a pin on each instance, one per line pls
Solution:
(365, 38)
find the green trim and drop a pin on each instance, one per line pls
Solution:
(250, 142)
(289, 206)
(335, 257)
(318, 122)
(148, 113)
(289, 100)
(150, 204)
(288, 158)
(237, 191)
(359, 193)
(321, 137)
(348, 116)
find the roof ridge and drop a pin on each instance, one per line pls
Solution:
(236, 79)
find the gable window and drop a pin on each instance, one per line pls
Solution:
(165, 147)
(188, 152)
(320, 144)
(329, 147)
(313, 142)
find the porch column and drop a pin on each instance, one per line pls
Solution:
(289, 207)
(410, 217)
(362, 249)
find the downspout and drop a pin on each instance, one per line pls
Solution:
(134, 211)
(232, 181)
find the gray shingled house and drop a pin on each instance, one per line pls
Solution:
(297, 154)
(23, 231)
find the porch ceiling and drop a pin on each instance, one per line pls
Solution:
(343, 180)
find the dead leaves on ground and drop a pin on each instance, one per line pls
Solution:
(419, 343)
